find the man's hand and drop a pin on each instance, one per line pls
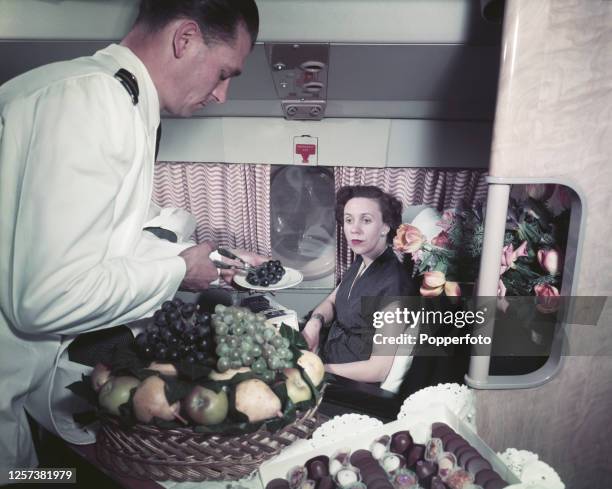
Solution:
(200, 269)
(311, 333)
(252, 258)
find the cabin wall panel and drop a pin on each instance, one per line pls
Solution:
(408, 143)
(554, 119)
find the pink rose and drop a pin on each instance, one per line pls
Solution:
(408, 239)
(565, 199)
(539, 191)
(441, 240)
(550, 260)
(547, 298)
(501, 288)
(510, 255)
(447, 220)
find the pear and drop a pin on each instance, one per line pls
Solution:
(99, 376)
(297, 388)
(228, 374)
(166, 369)
(313, 366)
(150, 401)
(115, 392)
(256, 400)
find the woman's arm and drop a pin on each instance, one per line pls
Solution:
(321, 315)
(374, 369)
(377, 367)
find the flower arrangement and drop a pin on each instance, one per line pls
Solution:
(532, 256)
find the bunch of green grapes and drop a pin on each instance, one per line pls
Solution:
(244, 340)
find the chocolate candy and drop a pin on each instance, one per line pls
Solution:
(476, 464)
(425, 471)
(467, 455)
(392, 462)
(360, 456)
(496, 484)
(455, 444)
(404, 479)
(462, 449)
(447, 462)
(347, 476)
(449, 436)
(400, 442)
(459, 479)
(433, 449)
(436, 483)
(317, 467)
(440, 429)
(325, 483)
(485, 476)
(277, 484)
(415, 453)
(380, 446)
(296, 476)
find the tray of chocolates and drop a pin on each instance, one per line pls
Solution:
(432, 449)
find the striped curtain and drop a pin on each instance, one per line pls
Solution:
(231, 202)
(437, 188)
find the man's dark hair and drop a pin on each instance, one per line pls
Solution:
(390, 207)
(218, 19)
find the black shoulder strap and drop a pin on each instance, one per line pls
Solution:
(129, 82)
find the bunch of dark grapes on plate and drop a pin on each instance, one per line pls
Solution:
(268, 273)
(179, 332)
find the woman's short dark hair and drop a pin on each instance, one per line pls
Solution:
(390, 206)
(218, 19)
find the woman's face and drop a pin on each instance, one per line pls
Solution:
(364, 229)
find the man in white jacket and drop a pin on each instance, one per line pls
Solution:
(77, 144)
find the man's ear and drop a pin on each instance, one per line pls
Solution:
(186, 36)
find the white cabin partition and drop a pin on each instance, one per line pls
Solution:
(554, 124)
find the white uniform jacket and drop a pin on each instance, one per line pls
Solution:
(76, 175)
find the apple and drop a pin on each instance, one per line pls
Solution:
(313, 366)
(99, 376)
(297, 388)
(150, 401)
(205, 406)
(257, 401)
(115, 392)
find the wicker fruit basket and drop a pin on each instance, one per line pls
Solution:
(149, 452)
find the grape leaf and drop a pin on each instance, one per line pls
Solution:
(294, 337)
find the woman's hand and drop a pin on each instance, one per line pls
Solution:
(311, 334)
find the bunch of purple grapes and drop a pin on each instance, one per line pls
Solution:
(179, 332)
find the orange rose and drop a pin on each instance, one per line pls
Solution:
(434, 283)
(408, 239)
(452, 289)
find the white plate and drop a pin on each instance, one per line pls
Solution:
(291, 278)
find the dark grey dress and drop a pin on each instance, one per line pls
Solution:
(350, 335)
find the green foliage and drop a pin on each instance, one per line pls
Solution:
(529, 220)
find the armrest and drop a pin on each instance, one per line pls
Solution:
(347, 395)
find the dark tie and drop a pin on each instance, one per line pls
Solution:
(157, 140)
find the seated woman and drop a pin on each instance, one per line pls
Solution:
(369, 218)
